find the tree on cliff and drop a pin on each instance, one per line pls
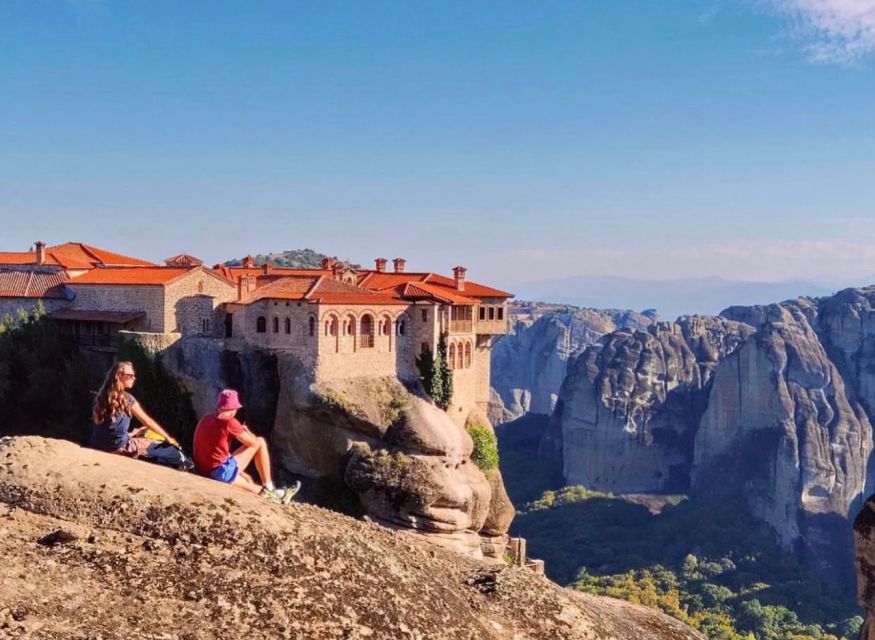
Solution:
(437, 379)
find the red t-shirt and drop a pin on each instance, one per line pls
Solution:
(212, 442)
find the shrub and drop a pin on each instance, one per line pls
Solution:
(485, 454)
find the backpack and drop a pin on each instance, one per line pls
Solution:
(168, 455)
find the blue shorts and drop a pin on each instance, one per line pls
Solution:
(225, 472)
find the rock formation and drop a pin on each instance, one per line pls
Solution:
(772, 403)
(89, 537)
(529, 364)
(629, 408)
(372, 446)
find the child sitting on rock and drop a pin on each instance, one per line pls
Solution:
(213, 457)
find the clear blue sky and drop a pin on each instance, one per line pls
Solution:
(521, 139)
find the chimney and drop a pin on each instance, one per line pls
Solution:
(245, 284)
(399, 264)
(459, 274)
(266, 269)
(40, 252)
(248, 262)
(327, 263)
(380, 264)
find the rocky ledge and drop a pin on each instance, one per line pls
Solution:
(97, 546)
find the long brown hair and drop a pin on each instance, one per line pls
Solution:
(111, 400)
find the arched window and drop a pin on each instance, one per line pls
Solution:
(331, 326)
(452, 358)
(288, 325)
(467, 355)
(276, 324)
(200, 286)
(386, 326)
(401, 327)
(350, 325)
(312, 326)
(423, 347)
(261, 325)
(367, 331)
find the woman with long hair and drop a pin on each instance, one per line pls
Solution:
(113, 409)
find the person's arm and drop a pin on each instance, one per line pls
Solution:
(246, 438)
(147, 420)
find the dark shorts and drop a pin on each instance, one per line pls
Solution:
(226, 472)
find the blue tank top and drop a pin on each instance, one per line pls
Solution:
(112, 434)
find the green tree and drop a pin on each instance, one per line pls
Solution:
(445, 375)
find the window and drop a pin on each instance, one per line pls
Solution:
(350, 325)
(331, 326)
(401, 327)
(276, 324)
(261, 325)
(467, 355)
(385, 326)
(205, 325)
(367, 331)
(312, 327)
(200, 286)
(492, 313)
(229, 325)
(501, 313)
(424, 313)
(288, 325)
(423, 348)
(483, 313)
(452, 358)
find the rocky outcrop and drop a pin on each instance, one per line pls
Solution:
(629, 409)
(372, 446)
(529, 364)
(787, 424)
(88, 538)
(772, 403)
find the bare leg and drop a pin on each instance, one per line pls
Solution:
(245, 482)
(245, 455)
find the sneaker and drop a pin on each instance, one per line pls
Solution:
(273, 496)
(289, 492)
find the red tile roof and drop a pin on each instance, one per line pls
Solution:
(95, 256)
(32, 283)
(183, 260)
(73, 255)
(232, 273)
(131, 275)
(288, 288)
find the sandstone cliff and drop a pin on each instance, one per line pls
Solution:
(772, 403)
(629, 408)
(529, 364)
(98, 546)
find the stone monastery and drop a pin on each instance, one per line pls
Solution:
(340, 321)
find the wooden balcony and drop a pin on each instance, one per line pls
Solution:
(461, 326)
(492, 327)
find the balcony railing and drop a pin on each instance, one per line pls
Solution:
(492, 326)
(461, 326)
(366, 341)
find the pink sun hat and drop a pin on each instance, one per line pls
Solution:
(227, 401)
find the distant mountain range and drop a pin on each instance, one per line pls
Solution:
(671, 298)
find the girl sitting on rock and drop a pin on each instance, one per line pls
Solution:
(113, 409)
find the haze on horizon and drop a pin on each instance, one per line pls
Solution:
(528, 142)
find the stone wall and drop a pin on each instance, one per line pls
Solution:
(343, 355)
(191, 302)
(148, 298)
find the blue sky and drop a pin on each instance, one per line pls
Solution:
(525, 140)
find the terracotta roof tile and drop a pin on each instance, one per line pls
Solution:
(95, 256)
(183, 260)
(283, 288)
(32, 283)
(131, 275)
